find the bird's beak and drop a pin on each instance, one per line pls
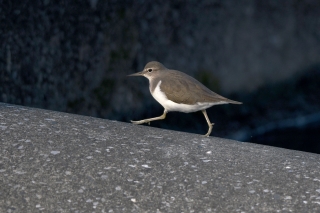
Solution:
(137, 74)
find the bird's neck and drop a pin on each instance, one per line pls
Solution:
(153, 84)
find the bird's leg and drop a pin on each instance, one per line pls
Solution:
(209, 123)
(163, 116)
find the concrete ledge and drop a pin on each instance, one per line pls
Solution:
(58, 162)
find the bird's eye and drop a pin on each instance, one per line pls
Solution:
(150, 70)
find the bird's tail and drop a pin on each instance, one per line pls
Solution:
(233, 102)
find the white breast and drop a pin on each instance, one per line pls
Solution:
(172, 106)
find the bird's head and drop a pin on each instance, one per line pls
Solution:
(150, 70)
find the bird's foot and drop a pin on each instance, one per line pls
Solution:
(209, 131)
(141, 122)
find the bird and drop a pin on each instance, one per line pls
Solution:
(177, 91)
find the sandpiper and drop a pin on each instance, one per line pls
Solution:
(177, 91)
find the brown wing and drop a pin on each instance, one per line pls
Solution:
(181, 88)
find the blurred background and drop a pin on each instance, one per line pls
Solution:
(74, 56)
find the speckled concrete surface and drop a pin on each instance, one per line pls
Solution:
(58, 162)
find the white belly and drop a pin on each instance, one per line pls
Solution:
(172, 106)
